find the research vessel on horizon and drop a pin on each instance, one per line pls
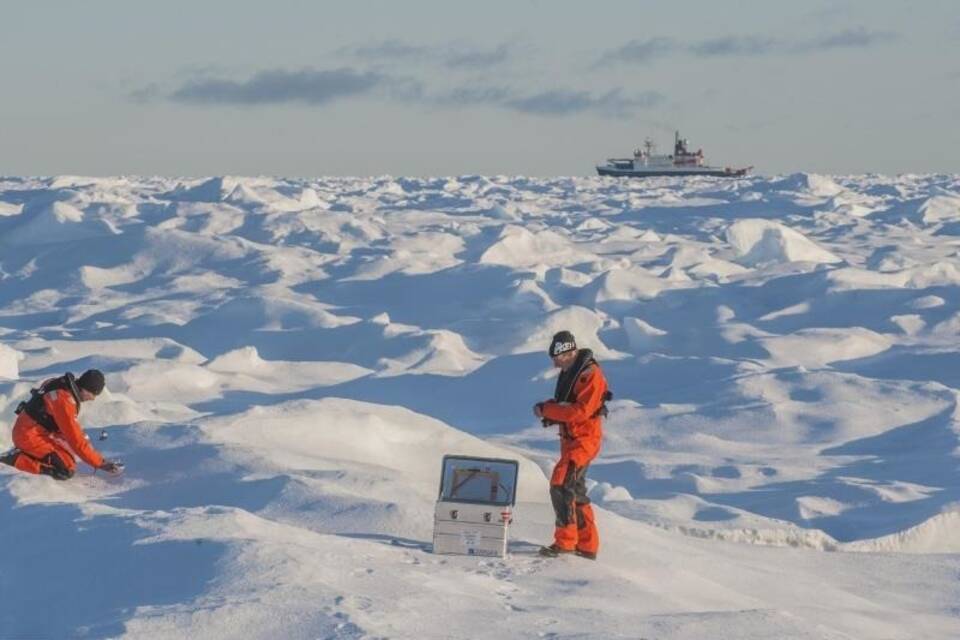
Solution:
(646, 163)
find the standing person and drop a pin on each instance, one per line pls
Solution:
(578, 407)
(47, 433)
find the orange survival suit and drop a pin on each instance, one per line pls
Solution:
(47, 430)
(579, 407)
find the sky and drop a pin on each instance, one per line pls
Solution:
(526, 87)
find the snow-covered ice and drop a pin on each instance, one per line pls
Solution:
(289, 359)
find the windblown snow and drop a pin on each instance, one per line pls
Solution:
(288, 361)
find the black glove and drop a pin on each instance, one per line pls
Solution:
(113, 467)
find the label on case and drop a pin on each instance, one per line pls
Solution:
(471, 539)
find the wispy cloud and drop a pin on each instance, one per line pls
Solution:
(564, 102)
(387, 49)
(479, 58)
(279, 87)
(321, 87)
(550, 103)
(641, 50)
(734, 46)
(644, 51)
(474, 96)
(851, 39)
(453, 56)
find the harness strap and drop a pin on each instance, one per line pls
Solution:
(567, 380)
(37, 409)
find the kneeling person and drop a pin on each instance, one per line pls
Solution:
(47, 433)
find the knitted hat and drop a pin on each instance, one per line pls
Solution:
(92, 380)
(562, 342)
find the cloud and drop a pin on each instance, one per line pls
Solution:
(477, 59)
(563, 102)
(643, 51)
(474, 96)
(387, 49)
(551, 103)
(852, 38)
(734, 46)
(454, 56)
(280, 87)
(319, 88)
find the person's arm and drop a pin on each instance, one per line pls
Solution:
(588, 400)
(64, 413)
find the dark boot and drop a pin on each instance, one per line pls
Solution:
(589, 555)
(10, 457)
(553, 551)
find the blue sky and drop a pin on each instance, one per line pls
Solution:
(446, 88)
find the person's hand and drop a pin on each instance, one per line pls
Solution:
(538, 410)
(113, 467)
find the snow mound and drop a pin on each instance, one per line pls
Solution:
(437, 352)
(163, 380)
(254, 373)
(104, 184)
(926, 302)
(58, 222)
(939, 534)
(762, 242)
(309, 199)
(97, 278)
(814, 348)
(210, 190)
(942, 273)
(854, 204)
(812, 183)
(319, 434)
(584, 323)
(640, 334)
(245, 359)
(423, 253)
(217, 189)
(518, 247)
(245, 196)
(501, 211)
(276, 314)
(629, 285)
(10, 362)
(940, 208)
(10, 209)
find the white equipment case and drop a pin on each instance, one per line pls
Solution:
(475, 506)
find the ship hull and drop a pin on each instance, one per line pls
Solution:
(651, 173)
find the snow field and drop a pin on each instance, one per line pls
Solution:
(288, 360)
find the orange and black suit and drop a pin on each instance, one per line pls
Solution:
(578, 406)
(50, 451)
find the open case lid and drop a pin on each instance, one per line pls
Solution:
(479, 480)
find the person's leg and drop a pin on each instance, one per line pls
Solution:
(59, 464)
(563, 495)
(41, 454)
(31, 446)
(588, 539)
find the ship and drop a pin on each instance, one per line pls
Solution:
(647, 163)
